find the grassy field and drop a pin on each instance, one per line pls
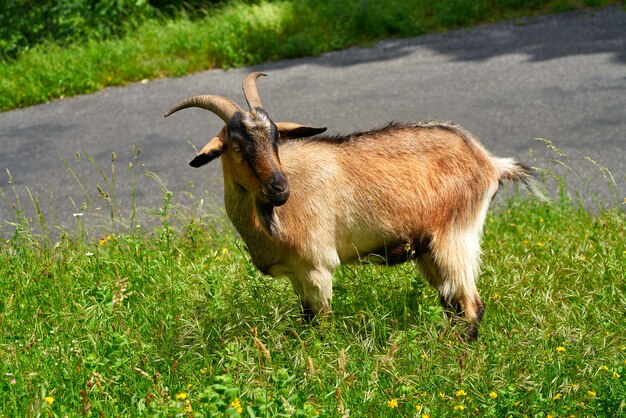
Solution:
(177, 322)
(234, 34)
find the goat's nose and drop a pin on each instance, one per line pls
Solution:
(277, 184)
(277, 187)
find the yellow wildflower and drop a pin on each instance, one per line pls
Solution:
(423, 356)
(557, 396)
(493, 395)
(591, 393)
(239, 410)
(392, 403)
(604, 368)
(236, 403)
(616, 375)
(560, 349)
(549, 416)
(181, 396)
(460, 392)
(188, 409)
(418, 407)
(425, 416)
(49, 400)
(103, 241)
(516, 403)
(459, 408)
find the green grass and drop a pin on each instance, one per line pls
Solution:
(178, 321)
(237, 34)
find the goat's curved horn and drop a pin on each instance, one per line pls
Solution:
(221, 106)
(250, 91)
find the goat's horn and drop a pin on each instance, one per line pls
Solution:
(221, 106)
(250, 91)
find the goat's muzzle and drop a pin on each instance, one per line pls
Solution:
(277, 189)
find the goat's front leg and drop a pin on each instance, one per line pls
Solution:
(315, 289)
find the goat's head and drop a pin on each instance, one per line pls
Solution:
(251, 140)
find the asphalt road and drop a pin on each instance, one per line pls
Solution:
(560, 77)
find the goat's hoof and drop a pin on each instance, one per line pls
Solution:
(471, 334)
(309, 315)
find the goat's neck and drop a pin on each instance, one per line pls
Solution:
(251, 221)
(254, 220)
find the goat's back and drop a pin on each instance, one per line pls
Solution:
(393, 183)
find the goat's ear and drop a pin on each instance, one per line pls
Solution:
(288, 130)
(213, 149)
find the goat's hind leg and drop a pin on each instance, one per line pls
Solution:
(452, 268)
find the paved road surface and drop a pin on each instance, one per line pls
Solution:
(559, 77)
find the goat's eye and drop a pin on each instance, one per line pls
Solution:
(236, 148)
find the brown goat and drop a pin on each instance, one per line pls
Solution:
(305, 205)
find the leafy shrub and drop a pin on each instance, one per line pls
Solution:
(24, 23)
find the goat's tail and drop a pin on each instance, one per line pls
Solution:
(512, 170)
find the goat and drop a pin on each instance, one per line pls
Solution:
(305, 205)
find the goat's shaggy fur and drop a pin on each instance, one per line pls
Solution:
(405, 191)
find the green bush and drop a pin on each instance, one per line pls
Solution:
(25, 23)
